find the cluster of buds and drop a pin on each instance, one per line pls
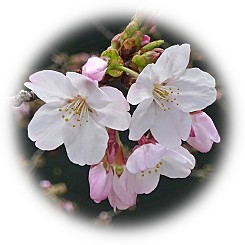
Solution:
(131, 51)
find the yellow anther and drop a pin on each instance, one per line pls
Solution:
(149, 171)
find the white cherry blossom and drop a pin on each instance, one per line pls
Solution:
(166, 92)
(150, 161)
(76, 113)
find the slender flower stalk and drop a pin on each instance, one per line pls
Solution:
(127, 70)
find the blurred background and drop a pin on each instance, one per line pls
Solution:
(66, 184)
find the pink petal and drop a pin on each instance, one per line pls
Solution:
(116, 202)
(100, 182)
(123, 187)
(205, 132)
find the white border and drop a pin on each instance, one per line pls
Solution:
(215, 216)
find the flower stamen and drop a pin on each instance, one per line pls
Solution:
(163, 94)
(76, 109)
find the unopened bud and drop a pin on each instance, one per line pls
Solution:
(150, 46)
(129, 31)
(141, 61)
(153, 55)
(115, 42)
(137, 37)
(128, 48)
(146, 39)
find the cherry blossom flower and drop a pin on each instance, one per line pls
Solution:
(95, 68)
(76, 113)
(150, 161)
(204, 132)
(112, 181)
(166, 92)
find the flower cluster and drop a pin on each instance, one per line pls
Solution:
(83, 112)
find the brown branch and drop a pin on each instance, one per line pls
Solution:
(22, 96)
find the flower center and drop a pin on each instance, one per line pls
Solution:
(152, 170)
(75, 111)
(163, 94)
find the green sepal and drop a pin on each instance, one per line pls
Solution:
(113, 60)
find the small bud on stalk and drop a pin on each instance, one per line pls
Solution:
(141, 61)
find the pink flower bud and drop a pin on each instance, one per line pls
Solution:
(95, 68)
(45, 184)
(146, 39)
(203, 132)
(115, 42)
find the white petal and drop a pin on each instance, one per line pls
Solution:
(85, 144)
(116, 97)
(142, 88)
(51, 86)
(142, 119)
(76, 77)
(196, 90)
(177, 163)
(145, 157)
(172, 61)
(146, 182)
(46, 126)
(114, 115)
(89, 90)
(170, 126)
